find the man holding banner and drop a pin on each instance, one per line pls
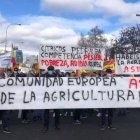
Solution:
(107, 111)
(46, 116)
(4, 113)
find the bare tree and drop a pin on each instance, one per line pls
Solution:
(83, 41)
(95, 39)
(128, 41)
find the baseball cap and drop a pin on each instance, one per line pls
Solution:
(50, 68)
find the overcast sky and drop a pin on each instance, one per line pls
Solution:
(60, 22)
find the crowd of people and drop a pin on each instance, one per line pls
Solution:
(106, 115)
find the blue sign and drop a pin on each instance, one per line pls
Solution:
(19, 56)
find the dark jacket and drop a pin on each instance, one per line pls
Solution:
(48, 75)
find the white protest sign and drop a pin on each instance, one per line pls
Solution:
(127, 63)
(62, 93)
(71, 58)
(5, 62)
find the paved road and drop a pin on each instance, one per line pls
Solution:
(128, 128)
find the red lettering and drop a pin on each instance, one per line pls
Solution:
(44, 62)
(85, 56)
(54, 62)
(100, 57)
(82, 63)
(126, 69)
(73, 63)
(132, 69)
(133, 82)
(93, 57)
(138, 68)
(65, 63)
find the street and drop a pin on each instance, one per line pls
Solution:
(128, 128)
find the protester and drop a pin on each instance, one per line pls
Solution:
(25, 113)
(67, 74)
(37, 113)
(9, 72)
(15, 73)
(46, 116)
(4, 113)
(83, 112)
(76, 112)
(67, 112)
(59, 73)
(108, 111)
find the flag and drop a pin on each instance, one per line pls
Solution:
(110, 64)
(13, 60)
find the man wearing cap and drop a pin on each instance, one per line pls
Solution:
(50, 73)
(15, 73)
(107, 111)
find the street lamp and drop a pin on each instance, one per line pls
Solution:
(7, 32)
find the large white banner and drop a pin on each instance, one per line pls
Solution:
(71, 58)
(62, 93)
(127, 63)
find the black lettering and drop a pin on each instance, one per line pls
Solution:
(20, 80)
(37, 81)
(60, 81)
(62, 95)
(68, 95)
(120, 94)
(55, 81)
(84, 81)
(113, 81)
(91, 81)
(92, 95)
(30, 83)
(98, 79)
(46, 96)
(105, 81)
(10, 82)
(102, 94)
(54, 98)
(42, 49)
(110, 95)
(24, 99)
(48, 82)
(87, 95)
(70, 81)
(3, 98)
(11, 98)
(78, 80)
(73, 96)
(43, 80)
(130, 94)
(33, 97)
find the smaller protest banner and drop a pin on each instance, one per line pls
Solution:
(71, 58)
(127, 63)
(5, 60)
